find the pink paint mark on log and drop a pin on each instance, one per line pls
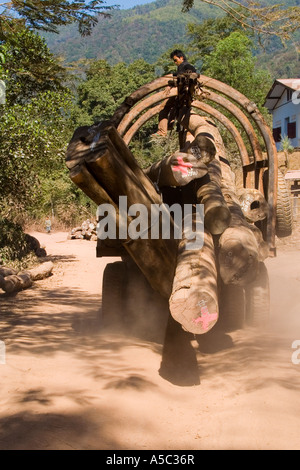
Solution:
(182, 166)
(205, 318)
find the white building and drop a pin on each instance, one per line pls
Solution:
(283, 102)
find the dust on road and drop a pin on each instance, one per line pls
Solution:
(68, 384)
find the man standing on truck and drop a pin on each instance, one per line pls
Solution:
(168, 113)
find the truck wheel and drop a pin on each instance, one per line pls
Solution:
(146, 310)
(113, 294)
(257, 296)
(284, 214)
(232, 307)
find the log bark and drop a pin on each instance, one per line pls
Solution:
(217, 215)
(178, 169)
(25, 279)
(241, 245)
(4, 271)
(106, 171)
(194, 299)
(253, 204)
(41, 271)
(11, 283)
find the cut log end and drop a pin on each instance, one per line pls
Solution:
(238, 258)
(196, 313)
(202, 148)
(217, 219)
(253, 204)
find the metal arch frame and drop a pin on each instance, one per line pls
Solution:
(234, 102)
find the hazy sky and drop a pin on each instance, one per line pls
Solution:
(124, 4)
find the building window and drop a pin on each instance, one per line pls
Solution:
(277, 134)
(289, 94)
(291, 130)
(286, 125)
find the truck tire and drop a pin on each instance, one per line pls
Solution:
(284, 214)
(113, 294)
(146, 310)
(232, 307)
(257, 298)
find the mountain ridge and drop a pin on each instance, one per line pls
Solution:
(145, 31)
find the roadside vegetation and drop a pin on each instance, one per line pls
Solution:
(43, 101)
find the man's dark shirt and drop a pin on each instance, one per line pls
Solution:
(185, 66)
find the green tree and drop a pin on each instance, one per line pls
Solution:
(29, 67)
(33, 146)
(233, 62)
(35, 126)
(272, 18)
(106, 87)
(48, 15)
(206, 35)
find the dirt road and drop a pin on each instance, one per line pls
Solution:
(67, 384)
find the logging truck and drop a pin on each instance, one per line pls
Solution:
(224, 280)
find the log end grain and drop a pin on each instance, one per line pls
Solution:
(217, 219)
(196, 312)
(238, 256)
(202, 148)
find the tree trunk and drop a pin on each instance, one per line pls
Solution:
(194, 298)
(178, 169)
(41, 271)
(208, 190)
(253, 204)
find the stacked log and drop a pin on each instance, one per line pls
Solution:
(208, 192)
(12, 281)
(176, 170)
(233, 246)
(85, 231)
(241, 245)
(103, 166)
(253, 204)
(194, 299)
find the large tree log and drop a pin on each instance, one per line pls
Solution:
(41, 271)
(105, 169)
(4, 271)
(14, 283)
(253, 204)
(208, 192)
(178, 169)
(92, 143)
(11, 283)
(205, 142)
(194, 299)
(241, 245)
